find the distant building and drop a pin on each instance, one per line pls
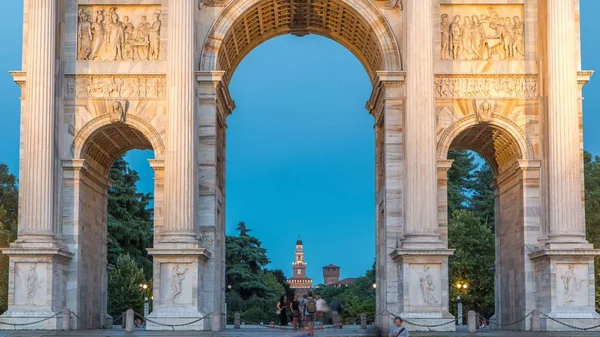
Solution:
(299, 281)
(331, 274)
(345, 282)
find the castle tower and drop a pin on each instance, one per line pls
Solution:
(299, 282)
(331, 274)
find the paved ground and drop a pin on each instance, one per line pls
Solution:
(266, 332)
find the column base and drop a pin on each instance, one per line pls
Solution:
(36, 287)
(177, 315)
(564, 288)
(177, 292)
(424, 294)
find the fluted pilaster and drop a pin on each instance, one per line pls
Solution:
(564, 161)
(179, 158)
(419, 125)
(37, 180)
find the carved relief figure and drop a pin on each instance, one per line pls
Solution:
(484, 113)
(456, 36)
(505, 86)
(572, 285)
(118, 113)
(483, 36)
(177, 277)
(427, 287)
(445, 36)
(84, 36)
(30, 279)
(111, 39)
(97, 34)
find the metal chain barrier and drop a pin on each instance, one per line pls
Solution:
(279, 327)
(172, 326)
(506, 324)
(425, 325)
(85, 322)
(120, 317)
(15, 325)
(569, 325)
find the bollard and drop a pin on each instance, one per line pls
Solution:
(123, 319)
(236, 320)
(129, 320)
(472, 321)
(66, 318)
(535, 320)
(363, 321)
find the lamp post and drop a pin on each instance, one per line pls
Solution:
(144, 288)
(462, 287)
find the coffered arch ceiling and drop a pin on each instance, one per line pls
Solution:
(240, 29)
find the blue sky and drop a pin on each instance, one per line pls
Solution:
(300, 157)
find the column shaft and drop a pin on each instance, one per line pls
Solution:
(564, 161)
(179, 158)
(419, 124)
(37, 181)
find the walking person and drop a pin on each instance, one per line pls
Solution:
(311, 310)
(397, 329)
(321, 309)
(336, 312)
(282, 311)
(295, 310)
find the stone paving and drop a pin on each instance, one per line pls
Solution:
(352, 331)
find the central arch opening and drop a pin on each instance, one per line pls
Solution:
(301, 162)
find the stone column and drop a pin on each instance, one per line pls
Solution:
(421, 220)
(566, 208)
(36, 216)
(181, 131)
(177, 257)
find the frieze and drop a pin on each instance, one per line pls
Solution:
(123, 33)
(486, 86)
(115, 86)
(482, 32)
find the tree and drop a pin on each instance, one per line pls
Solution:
(130, 221)
(482, 196)
(474, 254)
(9, 207)
(592, 209)
(460, 177)
(124, 286)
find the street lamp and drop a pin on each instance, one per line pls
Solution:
(374, 285)
(144, 288)
(462, 287)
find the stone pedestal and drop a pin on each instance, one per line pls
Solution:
(423, 288)
(177, 285)
(37, 283)
(565, 288)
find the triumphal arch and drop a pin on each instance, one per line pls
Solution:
(499, 77)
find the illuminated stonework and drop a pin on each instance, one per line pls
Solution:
(501, 79)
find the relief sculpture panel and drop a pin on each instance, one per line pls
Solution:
(108, 33)
(424, 285)
(482, 86)
(572, 286)
(30, 285)
(482, 32)
(115, 86)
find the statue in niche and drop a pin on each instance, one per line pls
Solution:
(84, 36)
(427, 287)
(572, 285)
(177, 277)
(118, 113)
(445, 35)
(484, 113)
(97, 34)
(483, 37)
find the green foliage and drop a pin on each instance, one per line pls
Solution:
(124, 286)
(592, 210)
(254, 290)
(473, 256)
(130, 221)
(9, 207)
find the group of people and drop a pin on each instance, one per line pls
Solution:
(308, 310)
